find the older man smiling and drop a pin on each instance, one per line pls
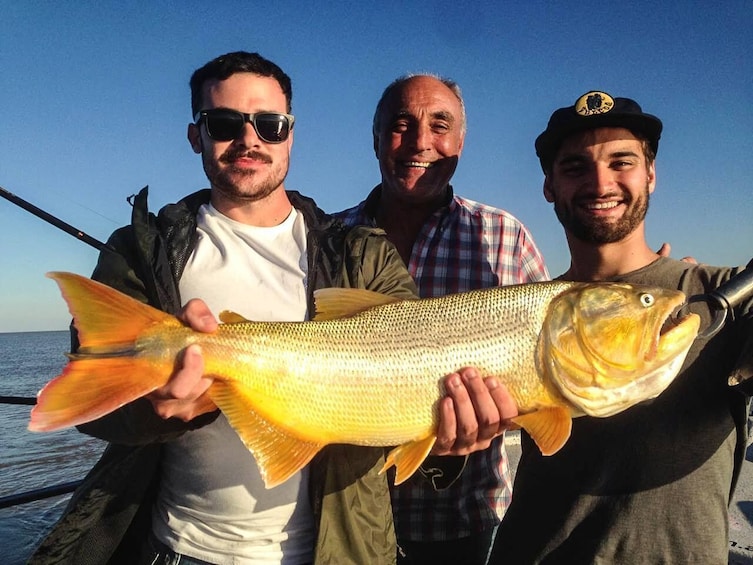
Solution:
(448, 512)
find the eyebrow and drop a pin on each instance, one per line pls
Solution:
(438, 115)
(618, 154)
(578, 157)
(443, 115)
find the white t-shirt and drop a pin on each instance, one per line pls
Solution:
(212, 503)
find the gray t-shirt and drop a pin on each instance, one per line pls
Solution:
(649, 485)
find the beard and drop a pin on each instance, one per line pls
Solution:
(601, 230)
(241, 184)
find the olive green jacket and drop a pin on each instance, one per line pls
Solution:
(109, 516)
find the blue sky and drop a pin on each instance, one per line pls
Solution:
(95, 104)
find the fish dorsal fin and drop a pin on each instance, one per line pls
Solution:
(548, 427)
(229, 317)
(407, 458)
(278, 454)
(335, 303)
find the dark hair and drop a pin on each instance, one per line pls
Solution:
(399, 82)
(229, 64)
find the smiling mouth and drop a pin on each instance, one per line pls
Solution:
(602, 205)
(418, 164)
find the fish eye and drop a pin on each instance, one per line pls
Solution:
(647, 300)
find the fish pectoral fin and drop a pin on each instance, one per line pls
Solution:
(407, 458)
(229, 317)
(335, 303)
(548, 427)
(278, 454)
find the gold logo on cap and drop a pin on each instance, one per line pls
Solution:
(594, 103)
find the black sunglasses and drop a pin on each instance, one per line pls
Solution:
(226, 125)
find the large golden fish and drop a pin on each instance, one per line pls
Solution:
(369, 369)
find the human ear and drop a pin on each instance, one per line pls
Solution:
(548, 193)
(194, 138)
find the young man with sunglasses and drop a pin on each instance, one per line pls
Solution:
(449, 511)
(176, 484)
(652, 484)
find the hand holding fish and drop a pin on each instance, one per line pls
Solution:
(474, 412)
(184, 396)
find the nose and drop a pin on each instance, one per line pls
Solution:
(248, 136)
(603, 178)
(422, 136)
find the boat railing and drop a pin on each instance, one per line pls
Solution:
(38, 493)
(25, 400)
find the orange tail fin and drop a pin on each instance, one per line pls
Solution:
(106, 373)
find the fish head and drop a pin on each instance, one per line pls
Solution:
(608, 346)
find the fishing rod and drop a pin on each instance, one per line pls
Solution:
(66, 227)
(58, 223)
(725, 298)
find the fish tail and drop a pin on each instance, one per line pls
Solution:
(106, 320)
(106, 372)
(88, 389)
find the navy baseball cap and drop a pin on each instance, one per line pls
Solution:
(596, 110)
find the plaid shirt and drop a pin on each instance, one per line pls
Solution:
(463, 246)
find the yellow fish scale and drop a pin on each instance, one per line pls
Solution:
(368, 379)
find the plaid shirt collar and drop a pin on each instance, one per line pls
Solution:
(368, 208)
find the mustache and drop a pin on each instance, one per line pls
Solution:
(233, 154)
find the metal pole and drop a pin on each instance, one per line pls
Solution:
(23, 400)
(38, 494)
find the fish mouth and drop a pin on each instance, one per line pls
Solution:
(677, 333)
(599, 386)
(676, 318)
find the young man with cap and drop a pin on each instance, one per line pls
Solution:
(652, 484)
